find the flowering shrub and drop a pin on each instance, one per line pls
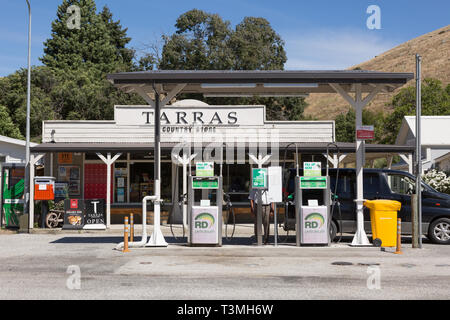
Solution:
(438, 180)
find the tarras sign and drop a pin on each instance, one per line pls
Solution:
(84, 214)
(190, 116)
(94, 214)
(365, 133)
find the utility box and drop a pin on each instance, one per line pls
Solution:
(44, 188)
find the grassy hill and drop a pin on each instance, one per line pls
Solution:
(434, 47)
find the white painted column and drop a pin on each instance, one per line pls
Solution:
(108, 161)
(360, 238)
(108, 190)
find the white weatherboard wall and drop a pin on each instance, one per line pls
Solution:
(13, 150)
(134, 124)
(435, 137)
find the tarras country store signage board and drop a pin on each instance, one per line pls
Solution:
(84, 214)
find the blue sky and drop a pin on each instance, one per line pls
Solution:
(318, 34)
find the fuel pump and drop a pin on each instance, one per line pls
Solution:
(314, 218)
(205, 217)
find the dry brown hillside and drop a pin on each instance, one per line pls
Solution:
(434, 47)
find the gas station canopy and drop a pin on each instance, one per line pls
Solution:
(261, 83)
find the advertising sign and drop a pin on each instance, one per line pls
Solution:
(204, 225)
(275, 185)
(365, 133)
(313, 182)
(199, 183)
(65, 158)
(314, 225)
(312, 169)
(94, 214)
(73, 214)
(259, 178)
(204, 169)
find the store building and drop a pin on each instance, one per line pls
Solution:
(435, 142)
(71, 149)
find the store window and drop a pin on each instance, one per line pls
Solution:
(120, 182)
(401, 184)
(237, 181)
(142, 182)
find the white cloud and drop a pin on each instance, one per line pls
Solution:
(333, 49)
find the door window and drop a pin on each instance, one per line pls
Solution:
(401, 184)
(371, 183)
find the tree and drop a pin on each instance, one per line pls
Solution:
(256, 46)
(7, 126)
(99, 43)
(435, 101)
(203, 41)
(200, 42)
(72, 83)
(82, 57)
(346, 129)
(13, 96)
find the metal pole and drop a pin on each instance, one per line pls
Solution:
(157, 171)
(418, 144)
(27, 148)
(259, 211)
(275, 225)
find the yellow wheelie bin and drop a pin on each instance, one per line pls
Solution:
(383, 218)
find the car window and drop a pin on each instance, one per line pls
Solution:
(401, 184)
(371, 183)
(344, 187)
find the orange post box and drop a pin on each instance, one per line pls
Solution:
(44, 188)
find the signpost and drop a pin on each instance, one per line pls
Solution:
(84, 214)
(73, 214)
(94, 214)
(365, 133)
(204, 169)
(312, 169)
(259, 178)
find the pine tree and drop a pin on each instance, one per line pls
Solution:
(99, 43)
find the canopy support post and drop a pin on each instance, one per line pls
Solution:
(360, 238)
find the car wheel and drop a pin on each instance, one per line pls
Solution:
(439, 231)
(333, 231)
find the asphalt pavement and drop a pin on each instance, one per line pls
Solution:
(73, 265)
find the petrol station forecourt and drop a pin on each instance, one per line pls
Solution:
(152, 85)
(167, 266)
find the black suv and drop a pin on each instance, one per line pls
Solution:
(379, 184)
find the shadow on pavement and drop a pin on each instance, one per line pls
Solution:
(241, 241)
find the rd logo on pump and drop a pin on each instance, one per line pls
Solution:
(314, 221)
(204, 222)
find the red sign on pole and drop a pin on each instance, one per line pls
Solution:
(365, 133)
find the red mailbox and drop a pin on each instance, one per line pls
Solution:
(44, 188)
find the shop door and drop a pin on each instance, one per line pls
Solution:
(95, 175)
(13, 184)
